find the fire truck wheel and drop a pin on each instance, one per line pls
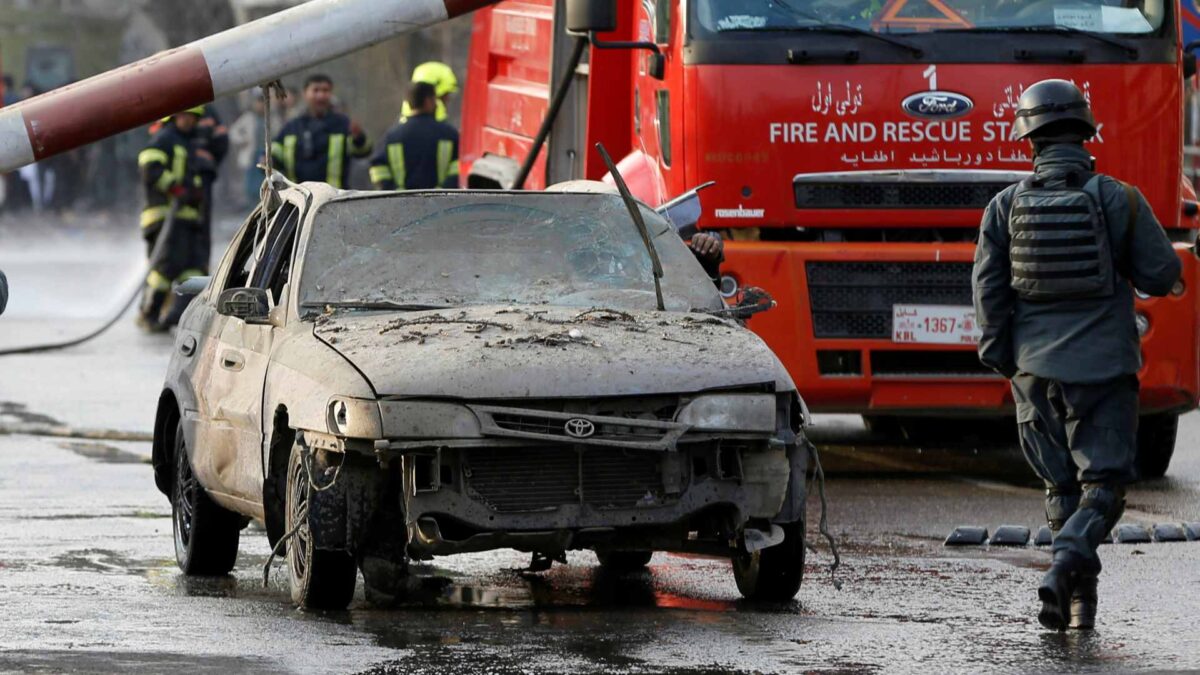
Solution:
(623, 561)
(883, 425)
(206, 535)
(1155, 444)
(773, 574)
(320, 579)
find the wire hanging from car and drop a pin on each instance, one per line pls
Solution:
(823, 523)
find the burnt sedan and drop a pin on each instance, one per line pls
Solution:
(386, 377)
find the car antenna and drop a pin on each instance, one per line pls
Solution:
(636, 214)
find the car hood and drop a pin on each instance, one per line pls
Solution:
(547, 352)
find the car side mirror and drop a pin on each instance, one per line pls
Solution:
(684, 211)
(252, 305)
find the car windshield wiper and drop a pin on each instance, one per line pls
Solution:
(820, 24)
(1129, 49)
(369, 305)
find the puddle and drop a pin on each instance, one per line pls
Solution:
(20, 413)
(104, 453)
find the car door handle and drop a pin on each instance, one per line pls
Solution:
(188, 346)
(231, 360)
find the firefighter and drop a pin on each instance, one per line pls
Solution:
(319, 144)
(1058, 259)
(444, 82)
(173, 167)
(421, 153)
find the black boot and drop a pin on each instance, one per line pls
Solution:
(1083, 602)
(1055, 594)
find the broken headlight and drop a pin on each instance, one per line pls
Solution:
(354, 418)
(428, 419)
(730, 412)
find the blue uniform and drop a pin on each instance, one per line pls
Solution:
(319, 149)
(420, 153)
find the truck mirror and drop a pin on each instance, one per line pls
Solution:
(591, 16)
(683, 212)
(658, 65)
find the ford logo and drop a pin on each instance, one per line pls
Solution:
(937, 104)
(579, 428)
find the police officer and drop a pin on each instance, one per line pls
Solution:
(444, 82)
(172, 169)
(420, 153)
(319, 144)
(1058, 259)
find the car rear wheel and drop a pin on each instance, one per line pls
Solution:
(1156, 444)
(206, 535)
(320, 579)
(773, 574)
(624, 561)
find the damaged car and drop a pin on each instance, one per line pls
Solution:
(387, 377)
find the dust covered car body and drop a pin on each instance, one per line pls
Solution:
(382, 377)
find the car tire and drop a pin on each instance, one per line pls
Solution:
(622, 562)
(320, 579)
(206, 535)
(1156, 444)
(772, 574)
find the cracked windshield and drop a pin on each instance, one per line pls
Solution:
(439, 250)
(901, 16)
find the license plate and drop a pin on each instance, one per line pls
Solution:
(934, 325)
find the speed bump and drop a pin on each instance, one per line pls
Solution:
(1129, 533)
(1010, 535)
(967, 536)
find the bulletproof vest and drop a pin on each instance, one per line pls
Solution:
(1059, 247)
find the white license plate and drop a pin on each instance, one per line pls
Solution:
(934, 325)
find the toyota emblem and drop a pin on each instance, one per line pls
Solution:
(579, 428)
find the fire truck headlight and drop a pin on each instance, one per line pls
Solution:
(1140, 295)
(729, 286)
(1143, 324)
(1178, 288)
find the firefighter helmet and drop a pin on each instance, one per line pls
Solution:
(1052, 101)
(198, 111)
(440, 75)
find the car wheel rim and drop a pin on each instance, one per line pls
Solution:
(298, 514)
(185, 499)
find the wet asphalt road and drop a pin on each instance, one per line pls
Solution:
(88, 581)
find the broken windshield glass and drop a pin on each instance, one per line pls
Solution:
(451, 249)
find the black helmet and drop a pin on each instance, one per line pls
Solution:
(1052, 101)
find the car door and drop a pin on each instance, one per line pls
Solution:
(238, 372)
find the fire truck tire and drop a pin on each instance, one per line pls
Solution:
(884, 425)
(624, 561)
(1156, 444)
(773, 574)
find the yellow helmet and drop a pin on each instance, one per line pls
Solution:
(439, 75)
(198, 111)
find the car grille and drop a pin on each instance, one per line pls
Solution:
(855, 299)
(841, 195)
(512, 480)
(614, 425)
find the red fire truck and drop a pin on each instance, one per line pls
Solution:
(854, 144)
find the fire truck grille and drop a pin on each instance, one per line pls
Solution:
(837, 195)
(855, 299)
(512, 480)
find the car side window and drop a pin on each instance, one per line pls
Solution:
(274, 267)
(243, 259)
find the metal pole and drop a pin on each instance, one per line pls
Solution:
(197, 73)
(560, 95)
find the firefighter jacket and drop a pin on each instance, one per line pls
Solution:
(419, 154)
(311, 148)
(1080, 340)
(169, 171)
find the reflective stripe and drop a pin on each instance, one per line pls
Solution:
(337, 159)
(380, 174)
(151, 156)
(445, 151)
(454, 168)
(158, 281)
(152, 215)
(165, 181)
(179, 166)
(289, 156)
(189, 274)
(396, 160)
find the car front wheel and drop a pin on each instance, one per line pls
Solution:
(773, 574)
(320, 579)
(206, 535)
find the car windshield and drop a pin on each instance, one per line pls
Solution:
(440, 249)
(909, 16)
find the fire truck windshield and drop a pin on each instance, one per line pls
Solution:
(1131, 17)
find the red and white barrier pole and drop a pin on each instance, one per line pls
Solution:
(226, 63)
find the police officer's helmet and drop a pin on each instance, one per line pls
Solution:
(1051, 101)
